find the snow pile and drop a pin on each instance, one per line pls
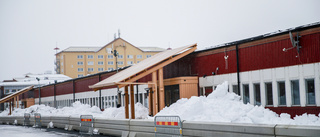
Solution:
(223, 106)
(78, 109)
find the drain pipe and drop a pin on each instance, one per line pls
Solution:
(238, 68)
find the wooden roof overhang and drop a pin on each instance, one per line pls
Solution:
(15, 94)
(144, 68)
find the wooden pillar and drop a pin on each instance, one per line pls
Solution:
(132, 102)
(14, 103)
(10, 103)
(126, 102)
(155, 93)
(150, 101)
(161, 90)
(18, 104)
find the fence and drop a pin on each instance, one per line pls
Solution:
(26, 121)
(37, 120)
(86, 124)
(145, 128)
(168, 126)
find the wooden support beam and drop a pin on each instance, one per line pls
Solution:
(132, 102)
(155, 93)
(161, 90)
(150, 101)
(10, 103)
(126, 102)
(161, 65)
(18, 101)
(14, 102)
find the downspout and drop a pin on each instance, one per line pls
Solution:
(54, 96)
(100, 93)
(238, 68)
(74, 91)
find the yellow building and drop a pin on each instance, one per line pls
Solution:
(81, 61)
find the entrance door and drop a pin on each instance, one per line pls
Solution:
(171, 94)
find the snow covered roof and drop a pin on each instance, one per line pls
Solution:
(30, 79)
(271, 34)
(151, 49)
(82, 49)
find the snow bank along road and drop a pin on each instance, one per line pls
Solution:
(220, 106)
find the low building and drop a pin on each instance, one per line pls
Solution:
(11, 86)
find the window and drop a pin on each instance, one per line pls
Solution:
(130, 62)
(80, 69)
(100, 56)
(148, 56)
(100, 62)
(129, 56)
(80, 56)
(110, 69)
(110, 56)
(139, 56)
(100, 69)
(61, 63)
(269, 97)
(90, 69)
(90, 62)
(90, 56)
(80, 63)
(120, 62)
(235, 89)
(110, 62)
(311, 100)
(282, 93)
(61, 57)
(138, 61)
(80, 75)
(246, 97)
(295, 92)
(120, 56)
(257, 94)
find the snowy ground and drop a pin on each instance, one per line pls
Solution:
(20, 131)
(219, 106)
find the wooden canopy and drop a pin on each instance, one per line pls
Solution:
(150, 65)
(144, 68)
(15, 94)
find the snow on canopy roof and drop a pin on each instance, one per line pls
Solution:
(151, 49)
(137, 68)
(15, 94)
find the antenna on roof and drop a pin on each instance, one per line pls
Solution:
(295, 43)
(119, 33)
(115, 35)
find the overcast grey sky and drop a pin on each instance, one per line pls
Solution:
(30, 29)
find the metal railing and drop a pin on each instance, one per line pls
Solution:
(26, 121)
(86, 124)
(168, 126)
(37, 120)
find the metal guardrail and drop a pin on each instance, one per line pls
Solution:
(26, 121)
(37, 120)
(168, 126)
(86, 124)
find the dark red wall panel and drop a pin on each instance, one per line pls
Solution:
(205, 65)
(64, 88)
(47, 91)
(82, 85)
(271, 55)
(293, 111)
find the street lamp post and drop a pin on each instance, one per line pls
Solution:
(115, 54)
(39, 90)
